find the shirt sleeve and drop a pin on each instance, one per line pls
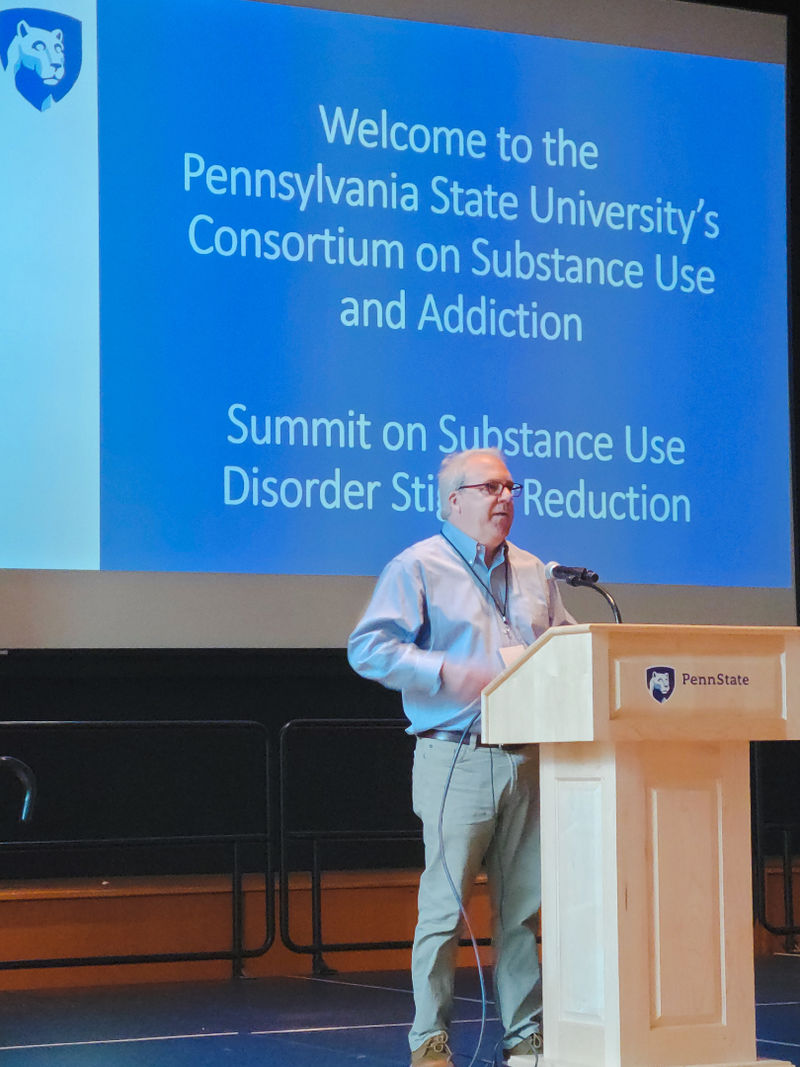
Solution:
(559, 616)
(383, 647)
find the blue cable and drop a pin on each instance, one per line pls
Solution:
(456, 892)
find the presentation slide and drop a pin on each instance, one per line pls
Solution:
(272, 264)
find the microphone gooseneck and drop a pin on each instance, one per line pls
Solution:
(581, 576)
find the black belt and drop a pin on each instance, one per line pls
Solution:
(456, 736)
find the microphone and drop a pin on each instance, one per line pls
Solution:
(569, 574)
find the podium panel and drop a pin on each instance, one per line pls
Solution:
(647, 941)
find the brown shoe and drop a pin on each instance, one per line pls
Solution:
(527, 1051)
(433, 1053)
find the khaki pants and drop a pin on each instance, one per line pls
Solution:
(491, 812)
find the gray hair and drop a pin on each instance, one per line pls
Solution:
(453, 470)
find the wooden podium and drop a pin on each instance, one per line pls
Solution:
(647, 935)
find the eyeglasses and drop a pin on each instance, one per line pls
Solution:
(494, 488)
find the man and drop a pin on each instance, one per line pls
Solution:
(439, 616)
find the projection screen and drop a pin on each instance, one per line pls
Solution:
(266, 265)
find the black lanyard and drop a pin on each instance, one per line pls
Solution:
(502, 610)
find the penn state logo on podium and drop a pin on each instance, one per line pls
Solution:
(661, 683)
(40, 53)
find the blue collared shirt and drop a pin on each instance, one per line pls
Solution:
(429, 603)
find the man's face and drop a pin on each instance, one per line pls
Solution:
(482, 516)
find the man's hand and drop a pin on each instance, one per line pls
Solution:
(464, 680)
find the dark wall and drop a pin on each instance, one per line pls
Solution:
(98, 782)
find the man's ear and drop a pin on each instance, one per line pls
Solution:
(455, 502)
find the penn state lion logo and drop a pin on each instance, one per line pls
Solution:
(661, 682)
(41, 53)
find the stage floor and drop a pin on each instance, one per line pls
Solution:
(291, 1022)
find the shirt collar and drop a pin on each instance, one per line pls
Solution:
(469, 548)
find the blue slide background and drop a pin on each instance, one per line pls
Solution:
(184, 336)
